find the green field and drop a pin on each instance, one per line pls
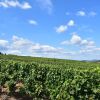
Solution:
(49, 79)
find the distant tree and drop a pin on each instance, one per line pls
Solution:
(1, 53)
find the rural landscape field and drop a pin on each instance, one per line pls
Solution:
(49, 49)
(29, 78)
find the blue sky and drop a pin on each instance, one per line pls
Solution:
(66, 29)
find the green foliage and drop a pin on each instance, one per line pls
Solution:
(50, 79)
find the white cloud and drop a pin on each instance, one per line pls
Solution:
(92, 50)
(87, 43)
(92, 13)
(46, 4)
(3, 42)
(3, 45)
(71, 23)
(81, 13)
(61, 28)
(38, 48)
(47, 48)
(15, 3)
(25, 5)
(87, 49)
(3, 4)
(33, 22)
(49, 51)
(77, 40)
(21, 46)
(19, 43)
(88, 14)
(17, 52)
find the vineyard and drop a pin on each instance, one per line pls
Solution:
(49, 79)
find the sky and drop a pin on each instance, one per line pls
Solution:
(65, 29)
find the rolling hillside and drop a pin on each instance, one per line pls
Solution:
(48, 79)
